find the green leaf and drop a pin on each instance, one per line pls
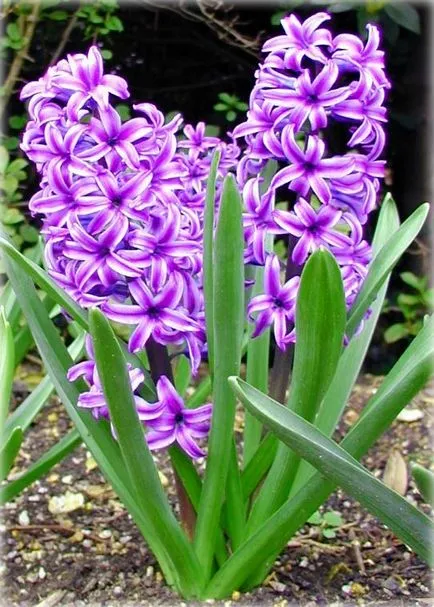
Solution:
(413, 281)
(404, 14)
(46, 283)
(164, 534)
(13, 31)
(383, 263)
(9, 452)
(315, 519)
(208, 256)
(58, 16)
(352, 358)
(404, 299)
(336, 464)
(18, 123)
(9, 184)
(29, 233)
(7, 368)
(220, 107)
(106, 53)
(182, 375)
(395, 333)
(226, 98)
(329, 533)
(59, 451)
(4, 159)
(424, 480)
(320, 334)
(16, 166)
(228, 327)
(11, 143)
(114, 23)
(332, 518)
(231, 115)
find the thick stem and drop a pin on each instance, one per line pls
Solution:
(160, 365)
(21, 55)
(283, 359)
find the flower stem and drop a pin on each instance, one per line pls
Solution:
(160, 365)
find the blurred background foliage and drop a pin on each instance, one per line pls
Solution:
(199, 58)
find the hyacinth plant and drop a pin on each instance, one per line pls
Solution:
(159, 244)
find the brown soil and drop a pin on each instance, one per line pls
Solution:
(94, 555)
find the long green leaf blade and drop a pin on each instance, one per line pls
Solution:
(9, 452)
(208, 256)
(165, 535)
(228, 310)
(53, 456)
(335, 463)
(46, 283)
(7, 366)
(383, 263)
(320, 329)
(354, 354)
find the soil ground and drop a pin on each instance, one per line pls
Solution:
(94, 555)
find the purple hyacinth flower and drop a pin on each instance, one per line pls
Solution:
(103, 254)
(353, 55)
(111, 137)
(177, 423)
(151, 311)
(94, 399)
(310, 99)
(258, 220)
(312, 228)
(58, 150)
(301, 40)
(277, 305)
(87, 81)
(369, 111)
(195, 138)
(113, 200)
(308, 168)
(164, 246)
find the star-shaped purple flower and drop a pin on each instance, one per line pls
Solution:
(277, 306)
(177, 424)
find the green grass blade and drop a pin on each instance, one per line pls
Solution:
(383, 263)
(53, 456)
(208, 255)
(164, 534)
(228, 308)
(9, 452)
(354, 354)
(7, 366)
(320, 330)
